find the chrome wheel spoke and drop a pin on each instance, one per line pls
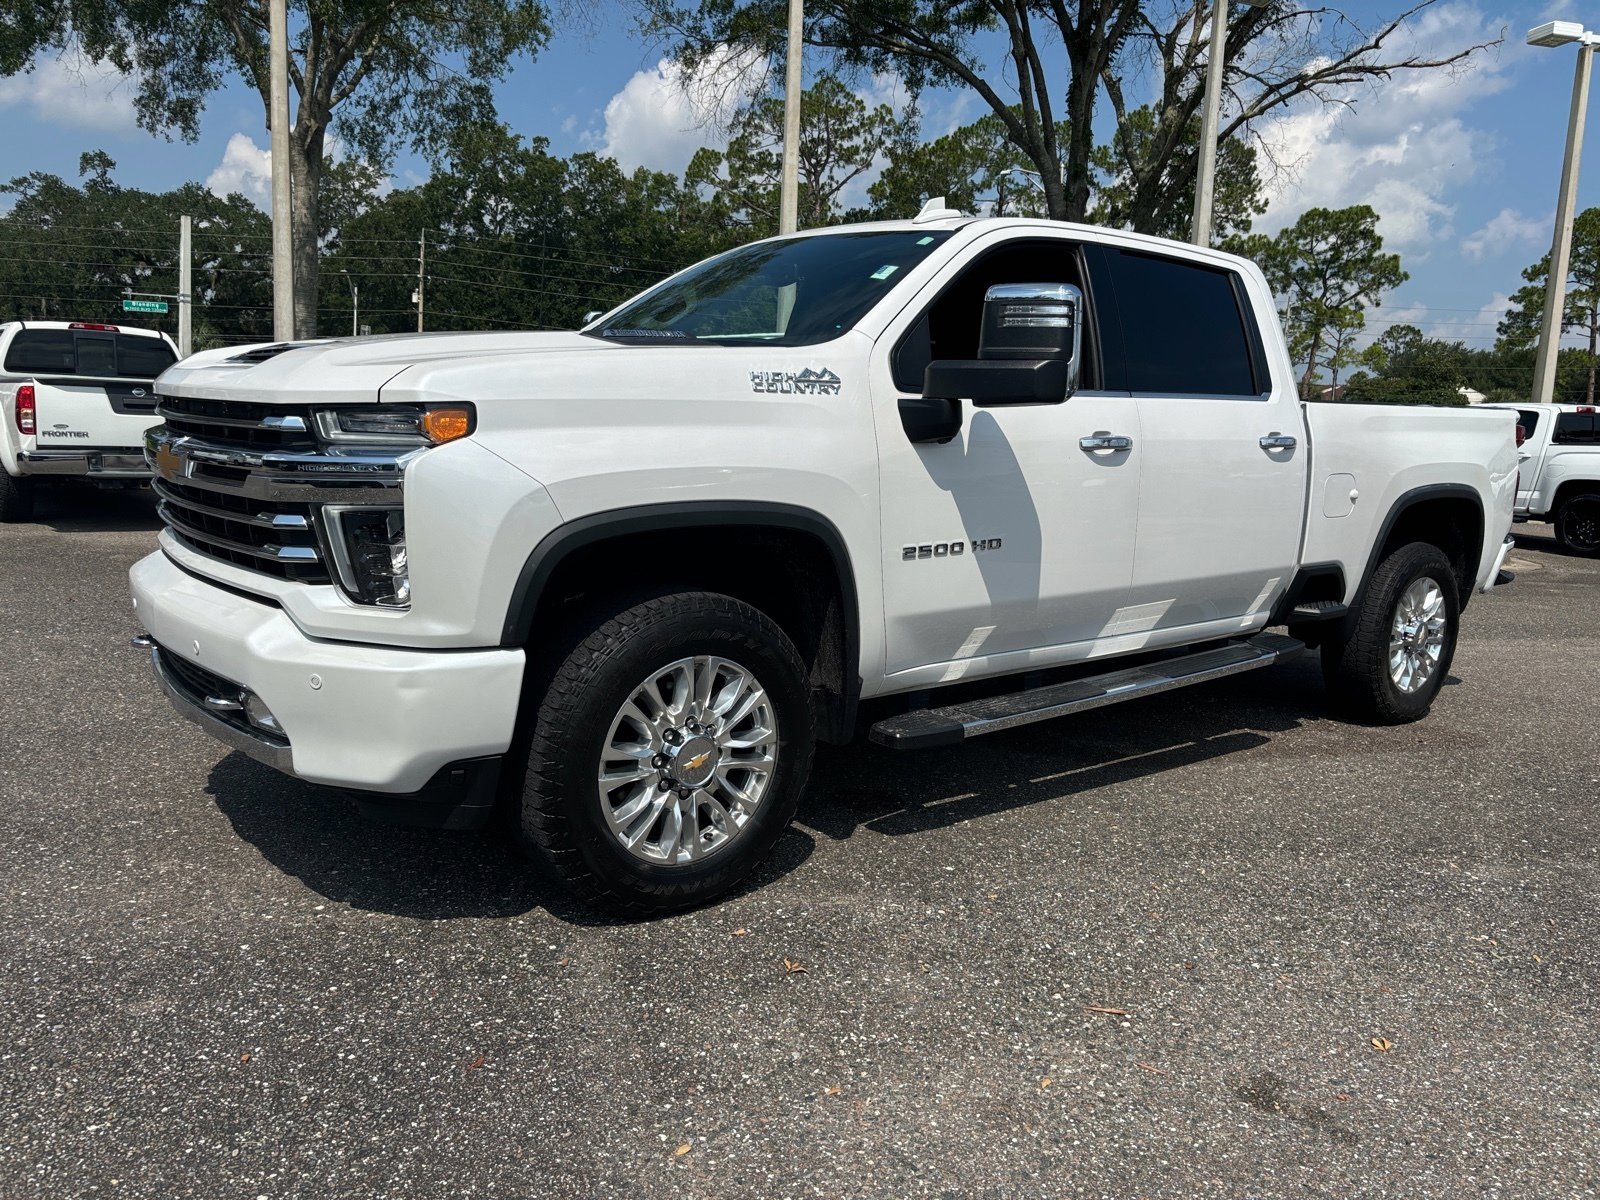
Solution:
(688, 760)
(1417, 635)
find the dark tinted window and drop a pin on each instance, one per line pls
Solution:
(1182, 329)
(1574, 427)
(41, 352)
(143, 358)
(1528, 418)
(950, 326)
(71, 352)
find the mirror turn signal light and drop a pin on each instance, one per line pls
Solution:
(446, 424)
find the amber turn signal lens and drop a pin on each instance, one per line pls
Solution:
(446, 424)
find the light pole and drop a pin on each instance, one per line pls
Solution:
(355, 303)
(1562, 33)
(282, 243)
(789, 189)
(1206, 172)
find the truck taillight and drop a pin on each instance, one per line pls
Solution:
(27, 418)
(1522, 434)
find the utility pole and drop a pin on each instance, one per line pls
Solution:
(282, 238)
(185, 288)
(422, 282)
(1206, 172)
(1559, 33)
(789, 195)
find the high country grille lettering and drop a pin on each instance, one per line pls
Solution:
(806, 383)
(948, 549)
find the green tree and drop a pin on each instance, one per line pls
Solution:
(1414, 370)
(74, 252)
(1328, 268)
(973, 166)
(1128, 195)
(840, 139)
(1072, 55)
(1520, 327)
(374, 71)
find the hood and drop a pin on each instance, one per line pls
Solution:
(343, 370)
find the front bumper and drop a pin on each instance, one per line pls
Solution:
(375, 719)
(92, 464)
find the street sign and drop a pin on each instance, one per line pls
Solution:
(146, 306)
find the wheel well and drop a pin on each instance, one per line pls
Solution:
(1452, 523)
(1571, 488)
(791, 575)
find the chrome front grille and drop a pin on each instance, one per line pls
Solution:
(245, 483)
(278, 537)
(240, 423)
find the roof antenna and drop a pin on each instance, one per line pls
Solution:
(936, 210)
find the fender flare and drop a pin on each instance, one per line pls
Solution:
(573, 535)
(1409, 500)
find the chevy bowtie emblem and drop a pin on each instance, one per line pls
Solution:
(168, 464)
(694, 763)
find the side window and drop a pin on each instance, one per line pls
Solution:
(1183, 329)
(1574, 429)
(1528, 418)
(949, 327)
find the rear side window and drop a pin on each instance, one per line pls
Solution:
(1183, 331)
(1528, 418)
(70, 352)
(1574, 429)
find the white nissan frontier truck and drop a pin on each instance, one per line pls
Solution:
(939, 477)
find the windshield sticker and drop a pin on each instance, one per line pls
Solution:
(924, 241)
(885, 272)
(805, 383)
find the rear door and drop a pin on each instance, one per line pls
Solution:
(1222, 492)
(92, 386)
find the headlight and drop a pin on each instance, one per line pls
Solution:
(407, 424)
(369, 551)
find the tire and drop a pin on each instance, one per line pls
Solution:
(1577, 524)
(1365, 678)
(651, 656)
(16, 497)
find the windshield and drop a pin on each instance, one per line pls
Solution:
(794, 292)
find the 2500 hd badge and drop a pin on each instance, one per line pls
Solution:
(948, 549)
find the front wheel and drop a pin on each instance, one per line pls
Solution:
(1578, 524)
(1392, 654)
(669, 752)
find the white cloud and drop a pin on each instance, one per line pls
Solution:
(73, 90)
(663, 115)
(1506, 230)
(245, 168)
(1403, 148)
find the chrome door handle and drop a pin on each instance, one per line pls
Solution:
(1278, 441)
(1104, 441)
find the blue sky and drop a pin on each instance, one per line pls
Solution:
(1462, 168)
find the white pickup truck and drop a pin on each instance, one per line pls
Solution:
(76, 399)
(949, 475)
(1559, 447)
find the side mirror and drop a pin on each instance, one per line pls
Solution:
(1028, 351)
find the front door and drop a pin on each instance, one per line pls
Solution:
(1012, 545)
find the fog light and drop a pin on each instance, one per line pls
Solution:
(259, 715)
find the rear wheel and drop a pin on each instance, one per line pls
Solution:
(16, 497)
(1578, 524)
(668, 754)
(1392, 654)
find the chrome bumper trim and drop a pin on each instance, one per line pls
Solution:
(272, 754)
(94, 464)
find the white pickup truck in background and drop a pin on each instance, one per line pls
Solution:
(1559, 447)
(942, 477)
(75, 401)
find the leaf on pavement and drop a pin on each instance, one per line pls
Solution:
(1382, 1045)
(682, 1149)
(476, 1063)
(831, 1091)
(791, 967)
(740, 932)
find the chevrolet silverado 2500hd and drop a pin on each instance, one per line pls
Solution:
(76, 399)
(999, 469)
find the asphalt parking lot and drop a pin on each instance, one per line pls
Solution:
(1156, 951)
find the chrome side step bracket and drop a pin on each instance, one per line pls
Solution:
(930, 727)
